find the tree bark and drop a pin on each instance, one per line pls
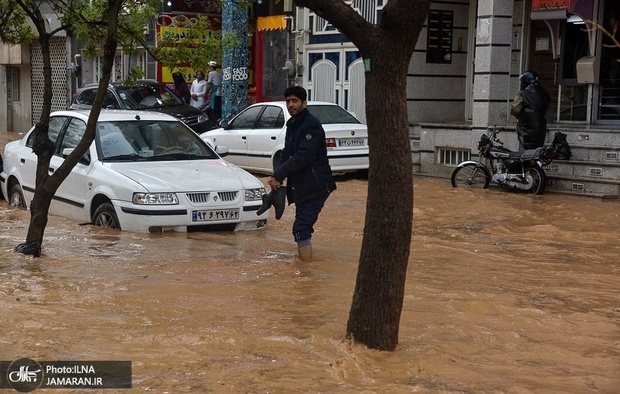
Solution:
(377, 303)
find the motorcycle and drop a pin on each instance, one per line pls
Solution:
(522, 170)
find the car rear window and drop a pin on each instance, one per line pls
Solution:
(86, 97)
(330, 114)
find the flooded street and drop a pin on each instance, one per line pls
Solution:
(506, 293)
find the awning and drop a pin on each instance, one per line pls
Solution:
(550, 9)
(275, 22)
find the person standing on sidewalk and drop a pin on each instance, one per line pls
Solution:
(198, 90)
(214, 90)
(304, 165)
(529, 107)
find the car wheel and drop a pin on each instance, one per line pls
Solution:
(105, 216)
(16, 197)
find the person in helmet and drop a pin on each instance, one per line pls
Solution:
(214, 88)
(530, 107)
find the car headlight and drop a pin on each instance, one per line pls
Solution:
(155, 199)
(254, 194)
(202, 118)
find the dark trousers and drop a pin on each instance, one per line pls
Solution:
(306, 216)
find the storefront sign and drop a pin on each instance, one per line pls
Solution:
(551, 5)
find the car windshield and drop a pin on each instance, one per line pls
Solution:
(147, 96)
(330, 114)
(149, 140)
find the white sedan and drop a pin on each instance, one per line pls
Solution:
(145, 172)
(255, 137)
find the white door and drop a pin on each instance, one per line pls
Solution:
(357, 90)
(337, 76)
(236, 134)
(265, 139)
(324, 81)
(71, 198)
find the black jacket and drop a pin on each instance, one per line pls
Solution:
(531, 122)
(304, 162)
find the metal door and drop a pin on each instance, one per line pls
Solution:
(337, 76)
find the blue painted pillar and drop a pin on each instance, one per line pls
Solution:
(235, 59)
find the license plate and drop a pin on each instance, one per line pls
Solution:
(215, 214)
(355, 142)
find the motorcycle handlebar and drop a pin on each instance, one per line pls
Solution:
(494, 133)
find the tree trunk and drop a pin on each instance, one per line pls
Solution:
(46, 185)
(375, 312)
(377, 302)
(41, 146)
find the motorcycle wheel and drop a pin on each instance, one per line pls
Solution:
(470, 174)
(539, 179)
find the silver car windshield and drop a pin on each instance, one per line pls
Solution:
(149, 140)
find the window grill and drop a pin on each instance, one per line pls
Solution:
(452, 156)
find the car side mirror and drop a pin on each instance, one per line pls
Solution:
(224, 123)
(221, 150)
(83, 160)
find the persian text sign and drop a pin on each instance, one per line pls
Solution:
(551, 5)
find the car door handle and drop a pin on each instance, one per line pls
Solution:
(273, 137)
(244, 138)
(22, 160)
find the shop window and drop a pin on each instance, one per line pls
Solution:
(575, 45)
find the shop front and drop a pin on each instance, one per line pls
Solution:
(574, 45)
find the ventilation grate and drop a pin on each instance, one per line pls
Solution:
(578, 187)
(452, 156)
(227, 196)
(597, 172)
(58, 52)
(198, 198)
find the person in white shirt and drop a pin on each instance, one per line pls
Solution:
(198, 90)
(214, 86)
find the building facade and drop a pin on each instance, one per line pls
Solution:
(462, 78)
(464, 74)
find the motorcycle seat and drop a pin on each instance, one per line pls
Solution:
(527, 153)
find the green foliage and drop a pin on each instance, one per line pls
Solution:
(14, 28)
(87, 21)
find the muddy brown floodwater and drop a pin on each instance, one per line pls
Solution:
(506, 293)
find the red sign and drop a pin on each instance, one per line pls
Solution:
(551, 5)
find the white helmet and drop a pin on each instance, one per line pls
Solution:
(212, 63)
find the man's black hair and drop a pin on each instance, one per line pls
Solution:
(296, 91)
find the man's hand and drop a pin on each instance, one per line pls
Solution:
(273, 183)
